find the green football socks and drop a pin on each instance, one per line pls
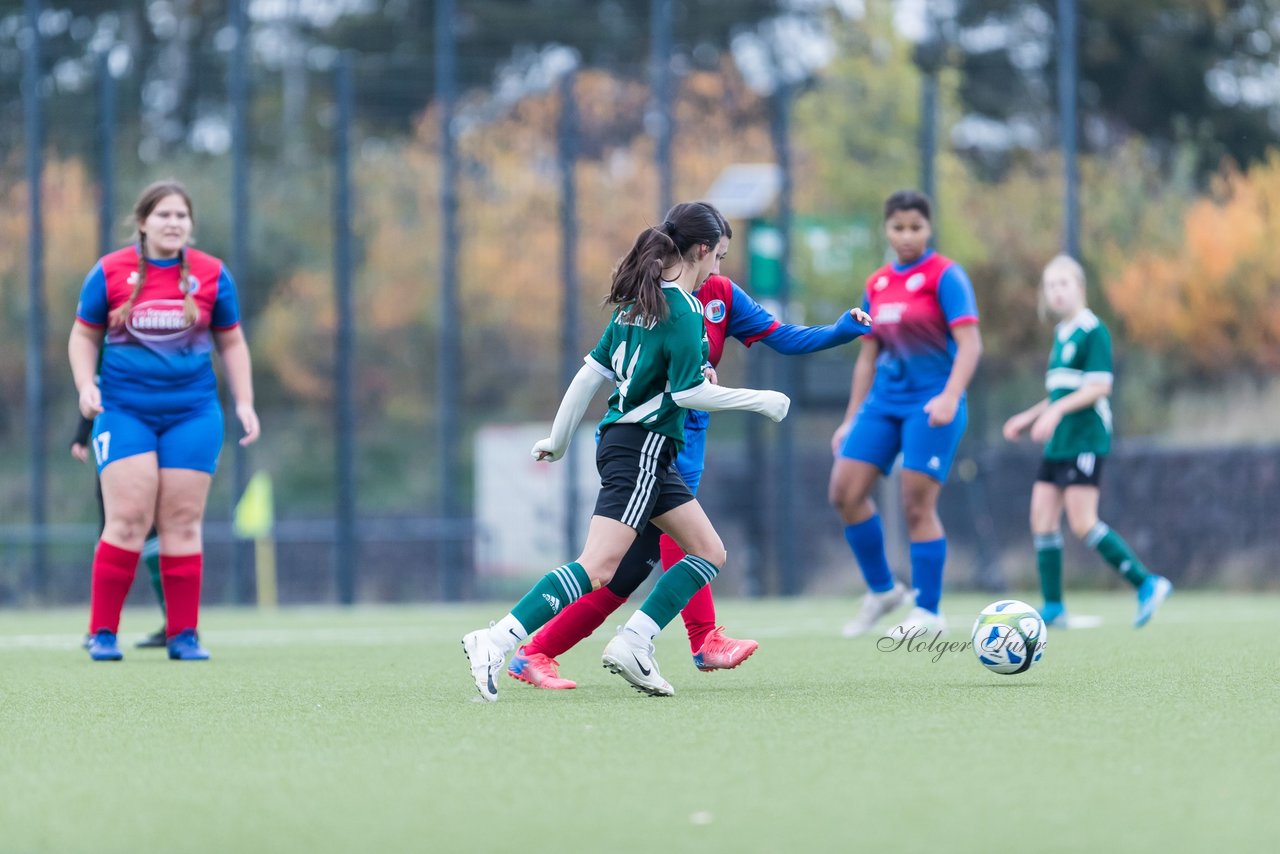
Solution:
(1049, 565)
(553, 592)
(676, 587)
(1116, 551)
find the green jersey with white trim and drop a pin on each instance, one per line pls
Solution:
(653, 364)
(1081, 354)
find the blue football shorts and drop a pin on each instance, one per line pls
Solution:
(190, 439)
(880, 433)
(692, 458)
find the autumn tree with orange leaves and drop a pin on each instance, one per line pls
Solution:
(1212, 300)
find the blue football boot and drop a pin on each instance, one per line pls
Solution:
(1153, 591)
(1054, 615)
(103, 646)
(185, 646)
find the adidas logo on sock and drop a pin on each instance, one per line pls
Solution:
(553, 602)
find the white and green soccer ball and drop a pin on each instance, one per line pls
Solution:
(1009, 636)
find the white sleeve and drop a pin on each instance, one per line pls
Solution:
(716, 398)
(572, 408)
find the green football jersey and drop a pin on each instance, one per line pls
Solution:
(1081, 354)
(652, 364)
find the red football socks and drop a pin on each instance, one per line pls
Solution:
(700, 614)
(574, 623)
(113, 570)
(180, 577)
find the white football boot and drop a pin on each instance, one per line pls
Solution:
(631, 657)
(875, 607)
(920, 625)
(486, 659)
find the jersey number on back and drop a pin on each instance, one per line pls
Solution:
(621, 370)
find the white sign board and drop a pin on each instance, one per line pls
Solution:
(745, 190)
(520, 504)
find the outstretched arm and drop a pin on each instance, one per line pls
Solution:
(569, 415)
(715, 398)
(791, 340)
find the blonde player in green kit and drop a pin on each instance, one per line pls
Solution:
(653, 351)
(1074, 423)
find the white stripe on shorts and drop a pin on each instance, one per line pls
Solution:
(634, 513)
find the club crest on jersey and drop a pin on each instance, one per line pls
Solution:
(1068, 351)
(714, 311)
(916, 282)
(193, 285)
(157, 320)
(882, 283)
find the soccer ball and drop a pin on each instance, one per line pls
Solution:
(1009, 636)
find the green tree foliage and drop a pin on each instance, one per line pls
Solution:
(1175, 72)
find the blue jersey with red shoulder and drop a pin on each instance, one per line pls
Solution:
(913, 310)
(729, 312)
(155, 359)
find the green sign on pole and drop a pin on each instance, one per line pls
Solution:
(764, 259)
(830, 257)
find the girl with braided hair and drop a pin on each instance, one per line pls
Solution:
(155, 310)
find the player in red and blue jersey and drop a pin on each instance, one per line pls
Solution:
(908, 397)
(728, 312)
(162, 308)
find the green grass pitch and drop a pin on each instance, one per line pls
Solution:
(321, 730)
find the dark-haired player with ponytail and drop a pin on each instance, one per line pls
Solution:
(653, 352)
(154, 311)
(908, 398)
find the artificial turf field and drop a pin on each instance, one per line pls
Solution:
(320, 730)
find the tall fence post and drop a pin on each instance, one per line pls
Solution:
(34, 140)
(784, 495)
(238, 91)
(106, 139)
(570, 357)
(1068, 85)
(346, 546)
(449, 358)
(929, 56)
(660, 120)
(929, 134)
